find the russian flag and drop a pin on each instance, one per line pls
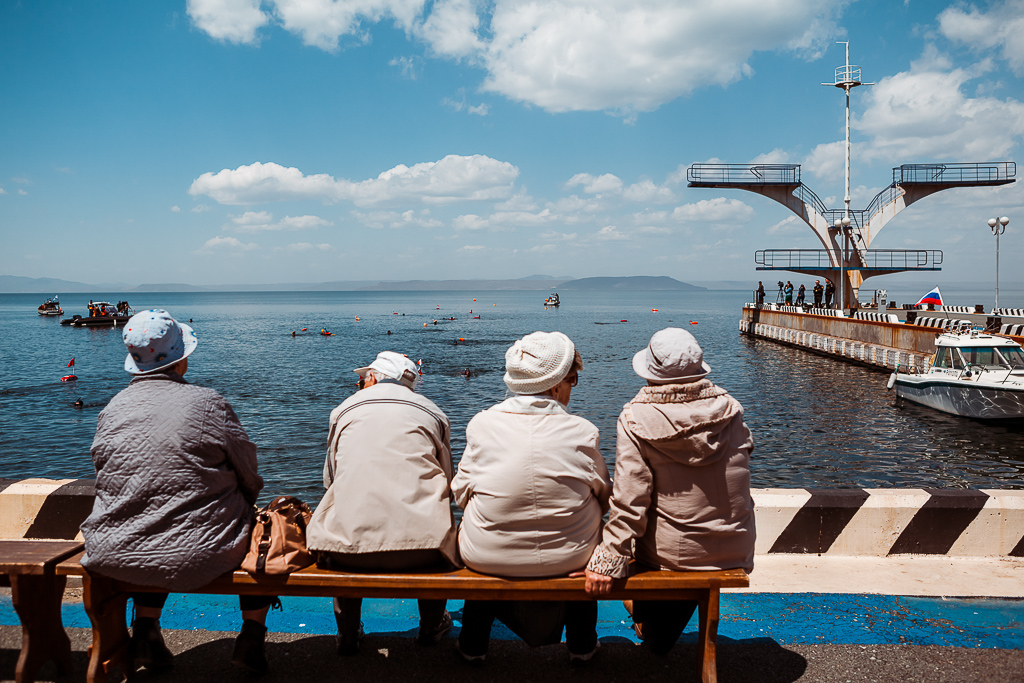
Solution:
(932, 297)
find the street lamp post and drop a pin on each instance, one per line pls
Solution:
(998, 226)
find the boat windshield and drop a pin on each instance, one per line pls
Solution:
(1014, 356)
(948, 358)
(989, 357)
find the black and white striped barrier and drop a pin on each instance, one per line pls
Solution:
(878, 522)
(868, 354)
(1012, 330)
(877, 317)
(831, 312)
(926, 542)
(959, 309)
(945, 323)
(1009, 312)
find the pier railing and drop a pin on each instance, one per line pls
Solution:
(968, 174)
(874, 259)
(744, 174)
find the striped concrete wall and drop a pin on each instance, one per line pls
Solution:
(858, 522)
(867, 354)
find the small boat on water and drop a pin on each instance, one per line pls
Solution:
(972, 375)
(50, 307)
(552, 300)
(102, 314)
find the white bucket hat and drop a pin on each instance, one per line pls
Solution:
(672, 357)
(156, 341)
(393, 365)
(538, 362)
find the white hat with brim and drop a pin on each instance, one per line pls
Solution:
(394, 366)
(156, 341)
(672, 357)
(538, 362)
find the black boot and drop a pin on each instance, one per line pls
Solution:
(147, 648)
(250, 653)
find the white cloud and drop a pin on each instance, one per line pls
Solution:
(453, 178)
(22, 192)
(470, 248)
(602, 184)
(717, 210)
(174, 209)
(521, 201)
(610, 232)
(201, 208)
(480, 110)
(827, 161)
(561, 55)
(408, 66)
(394, 219)
(234, 21)
(1002, 28)
(3, 191)
(924, 113)
(232, 243)
(647, 191)
(554, 236)
(299, 246)
(789, 225)
(653, 230)
(260, 221)
(776, 156)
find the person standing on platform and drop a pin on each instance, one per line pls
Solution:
(830, 291)
(818, 291)
(760, 293)
(388, 503)
(789, 293)
(800, 295)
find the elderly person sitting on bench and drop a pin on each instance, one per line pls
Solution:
(533, 486)
(681, 499)
(176, 482)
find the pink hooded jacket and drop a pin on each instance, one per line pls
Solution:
(681, 497)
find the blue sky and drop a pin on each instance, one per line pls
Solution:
(240, 141)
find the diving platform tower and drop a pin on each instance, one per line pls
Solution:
(847, 259)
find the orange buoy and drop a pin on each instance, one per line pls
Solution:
(654, 310)
(693, 322)
(622, 321)
(424, 324)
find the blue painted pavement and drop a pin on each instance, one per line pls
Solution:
(785, 618)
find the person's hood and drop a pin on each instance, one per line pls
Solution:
(689, 423)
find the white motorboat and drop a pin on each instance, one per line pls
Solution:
(972, 374)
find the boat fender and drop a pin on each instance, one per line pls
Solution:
(891, 382)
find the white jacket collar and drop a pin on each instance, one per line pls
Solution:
(531, 405)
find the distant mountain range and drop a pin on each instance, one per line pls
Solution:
(25, 285)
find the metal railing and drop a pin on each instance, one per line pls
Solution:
(744, 174)
(980, 172)
(873, 259)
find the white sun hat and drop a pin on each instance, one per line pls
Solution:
(156, 341)
(672, 357)
(393, 365)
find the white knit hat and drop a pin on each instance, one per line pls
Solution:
(538, 362)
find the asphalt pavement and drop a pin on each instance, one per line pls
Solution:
(203, 656)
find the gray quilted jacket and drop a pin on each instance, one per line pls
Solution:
(175, 484)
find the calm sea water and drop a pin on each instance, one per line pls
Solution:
(816, 422)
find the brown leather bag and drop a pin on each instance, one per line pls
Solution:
(278, 544)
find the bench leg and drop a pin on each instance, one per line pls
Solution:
(37, 601)
(106, 609)
(708, 636)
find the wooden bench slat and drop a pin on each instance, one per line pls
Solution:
(25, 556)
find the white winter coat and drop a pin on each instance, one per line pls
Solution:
(533, 486)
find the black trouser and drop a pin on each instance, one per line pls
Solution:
(246, 602)
(537, 623)
(348, 611)
(663, 621)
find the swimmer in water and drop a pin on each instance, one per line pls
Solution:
(79, 403)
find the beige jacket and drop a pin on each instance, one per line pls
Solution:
(533, 486)
(682, 483)
(387, 475)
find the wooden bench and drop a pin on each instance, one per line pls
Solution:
(106, 599)
(28, 567)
